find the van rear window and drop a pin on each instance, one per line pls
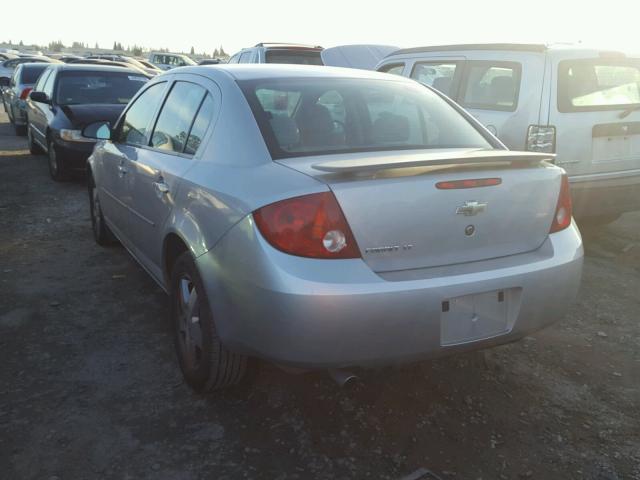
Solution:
(598, 84)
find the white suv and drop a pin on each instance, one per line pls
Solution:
(581, 103)
(288, 53)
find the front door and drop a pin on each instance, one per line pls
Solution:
(130, 136)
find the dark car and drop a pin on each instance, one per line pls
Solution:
(68, 97)
(15, 93)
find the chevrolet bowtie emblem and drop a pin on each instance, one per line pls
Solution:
(469, 209)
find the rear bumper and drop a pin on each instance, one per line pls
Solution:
(19, 112)
(609, 194)
(339, 313)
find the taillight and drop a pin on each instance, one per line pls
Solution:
(469, 183)
(308, 226)
(25, 93)
(562, 217)
(541, 138)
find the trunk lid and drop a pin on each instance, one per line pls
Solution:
(401, 220)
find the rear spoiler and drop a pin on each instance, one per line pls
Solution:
(430, 159)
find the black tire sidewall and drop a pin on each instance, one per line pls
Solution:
(59, 174)
(196, 378)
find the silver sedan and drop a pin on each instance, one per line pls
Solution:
(329, 218)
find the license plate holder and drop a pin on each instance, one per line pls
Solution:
(470, 318)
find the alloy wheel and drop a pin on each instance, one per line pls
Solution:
(188, 323)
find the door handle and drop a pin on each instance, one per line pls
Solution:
(121, 170)
(161, 188)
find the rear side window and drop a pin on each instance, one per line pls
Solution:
(200, 126)
(176, 117)
(31, 73)
(598, 84)
(296, 57)
(439, 75)
(394, 68)
(491, 86)
(133, 130)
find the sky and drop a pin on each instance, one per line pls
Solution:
(404, 23)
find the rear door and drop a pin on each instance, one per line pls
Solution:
(596, 111)
(155, 172)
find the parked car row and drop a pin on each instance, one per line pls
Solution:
(323, 217)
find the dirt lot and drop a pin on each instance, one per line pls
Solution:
(89, 387)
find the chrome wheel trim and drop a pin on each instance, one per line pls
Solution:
(189, 325)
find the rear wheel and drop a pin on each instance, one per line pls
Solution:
(206, 364)
(101, 232)
(57, 167)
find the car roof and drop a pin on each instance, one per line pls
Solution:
(276, 45)
(89, 67)
(33, 65)
(262, 71)
(508, 47)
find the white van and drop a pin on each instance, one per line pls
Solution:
(581, 103)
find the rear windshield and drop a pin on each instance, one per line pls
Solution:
(598, 84)
(30, 73)
(298, 57)
(328, 115)
(78, 88)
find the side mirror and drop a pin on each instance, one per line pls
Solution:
(4, 82)
(40, 97)
(98, 131)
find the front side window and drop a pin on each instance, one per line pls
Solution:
(441, 76)
(293, 57)
(491, 86)
(598, 84)
(245, 57)
(299, 117)
(39, 86)
(81, 88)
(133, 129)
(48, 85)
(393, 68)
(176, 117)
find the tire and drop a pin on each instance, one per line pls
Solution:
(21, 130)
(34, 148)
(57, 168)
(205, 363)
(101, 231)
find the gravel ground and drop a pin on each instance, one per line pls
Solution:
(89, 386)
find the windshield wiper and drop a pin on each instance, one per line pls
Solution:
(628, 111)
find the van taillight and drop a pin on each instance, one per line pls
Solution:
(562, 217)
(541, 138)
(308, 226)
(25, 93)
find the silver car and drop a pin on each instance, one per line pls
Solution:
(16, 91)
(329, 218)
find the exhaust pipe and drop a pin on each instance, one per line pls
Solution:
(343, 377)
